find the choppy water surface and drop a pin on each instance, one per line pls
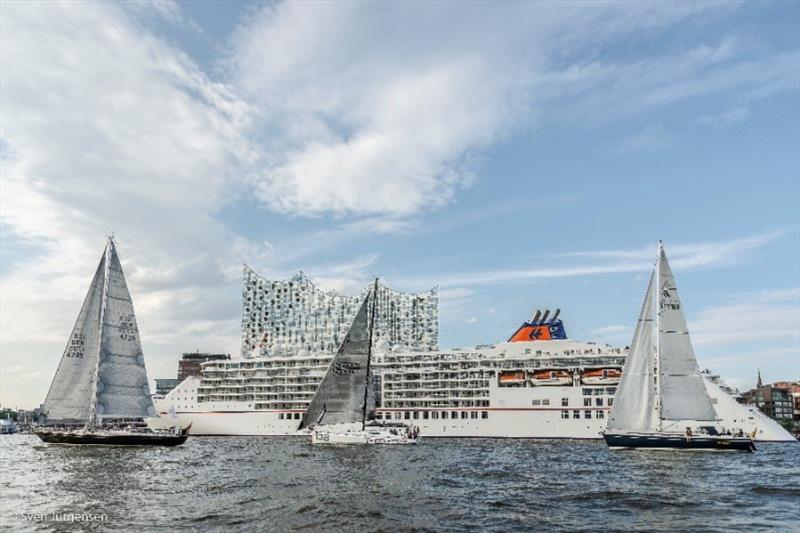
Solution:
(246, 484)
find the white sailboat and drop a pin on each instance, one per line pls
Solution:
(340, 412)
(661, 401)
(100, 391)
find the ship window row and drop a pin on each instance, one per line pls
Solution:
(610, 391)
(433, 415)
(598, 402)
(289, 416)
(413, 403)
(545, 401)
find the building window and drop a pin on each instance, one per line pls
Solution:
(484, 414)
(598, 402)
(564, 414)
(576, 414)
(564, 402)
(587, 414)
(587, 402)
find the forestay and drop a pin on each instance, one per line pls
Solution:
(340, 396)
(683, 393)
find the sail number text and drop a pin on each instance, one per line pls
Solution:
(75, 347)
(127, 327)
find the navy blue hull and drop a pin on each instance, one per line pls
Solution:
(680, 442)
(105, 439)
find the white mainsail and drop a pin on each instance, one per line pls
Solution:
(122, 387)
(102, 372)
(683, 393)
(660, 380)
(340, 398)
(635, 402)
(72, 390)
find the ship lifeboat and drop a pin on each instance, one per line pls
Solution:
(551, 377)
(513, 377)
(601, 376)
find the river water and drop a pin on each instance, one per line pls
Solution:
(281, 484)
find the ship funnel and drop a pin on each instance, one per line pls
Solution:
(555, 316)
(536, 316)
(544, 318)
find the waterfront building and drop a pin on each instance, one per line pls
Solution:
(165, 385)
(774, 401)
(291, 317)
(794, 391)
(191, 363)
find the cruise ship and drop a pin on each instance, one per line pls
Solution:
(537, 384)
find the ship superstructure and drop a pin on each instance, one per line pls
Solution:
(538, 384)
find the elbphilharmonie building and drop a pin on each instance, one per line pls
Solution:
(294, 317)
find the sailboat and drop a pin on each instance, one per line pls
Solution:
(661, 401)
(340, 411)
(100, 393)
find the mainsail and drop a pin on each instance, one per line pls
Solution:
(72, 390)
(683, 393)
(102, 372)
(340, 398)
(635, 403)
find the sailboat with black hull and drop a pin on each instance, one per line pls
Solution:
(661, 401)
(341, 411)
(100, 394)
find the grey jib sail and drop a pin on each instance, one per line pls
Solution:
(122, 388)
(683, 393)
(71, 394)
(634, 404)
(102, 371)
(340, 396)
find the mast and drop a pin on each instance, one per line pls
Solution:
(369, 353)
(90, 424)
(657, 358)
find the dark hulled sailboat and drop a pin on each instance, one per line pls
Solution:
(101, 382)
(661, 401)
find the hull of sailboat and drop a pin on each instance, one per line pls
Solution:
(370, 435)
(111, 438)
(661, 441)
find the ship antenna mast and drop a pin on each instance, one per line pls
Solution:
(369, 353)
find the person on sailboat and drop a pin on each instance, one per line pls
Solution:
(688, 434)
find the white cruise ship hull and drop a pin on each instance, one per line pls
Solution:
(512, 414)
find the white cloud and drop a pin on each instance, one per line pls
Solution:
(613, 261)
(381, 108)
(107, 129)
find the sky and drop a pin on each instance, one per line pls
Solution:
(518, 155)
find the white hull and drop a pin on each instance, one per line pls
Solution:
(349, 434)
(512, 415)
